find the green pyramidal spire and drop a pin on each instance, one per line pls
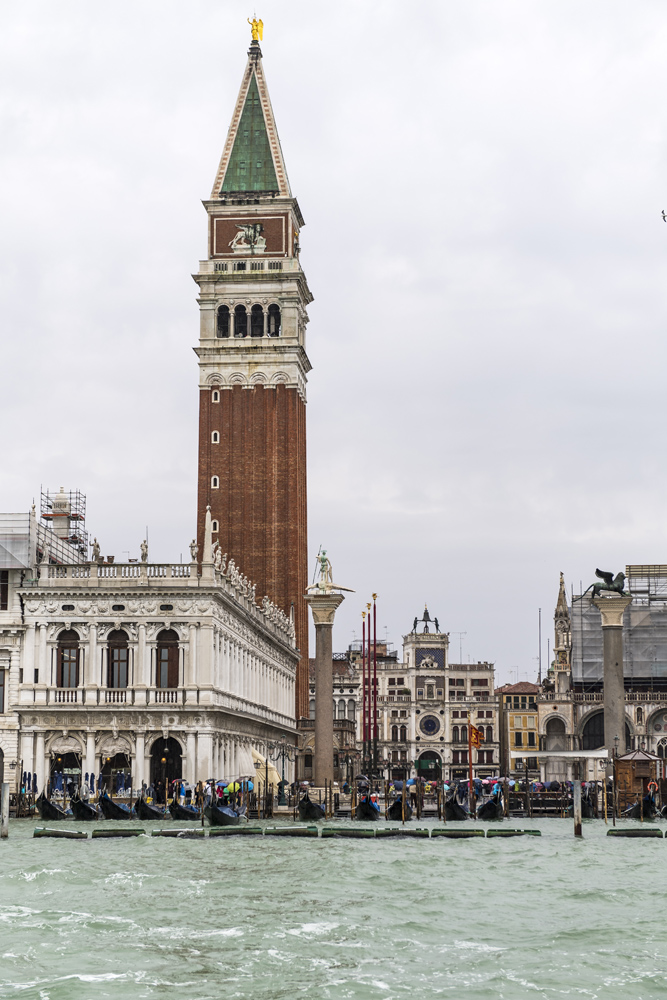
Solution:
(251, 164)
(252, 160)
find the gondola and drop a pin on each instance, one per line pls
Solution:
(454, 810)
(635, 811)
(145, 811)
(113, 810)
(491, 809)
(587, 808)
(83, 810)
(184, 812)
(310, 810)
(50, 810)
(221, 815)
(367, 809)
(395, 810)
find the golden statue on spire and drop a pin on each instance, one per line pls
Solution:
(257, 29)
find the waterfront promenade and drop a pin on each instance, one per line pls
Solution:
(267, 918)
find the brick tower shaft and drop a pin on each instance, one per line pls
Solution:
(253, 365)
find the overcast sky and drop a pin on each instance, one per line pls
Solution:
(482, 184)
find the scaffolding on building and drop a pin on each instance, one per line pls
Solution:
(65, 512)
(644, 633)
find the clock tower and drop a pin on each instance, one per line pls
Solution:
(253, 364)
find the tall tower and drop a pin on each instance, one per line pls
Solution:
(253, 364)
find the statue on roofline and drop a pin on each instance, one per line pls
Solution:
(616, 584)
(257, 29)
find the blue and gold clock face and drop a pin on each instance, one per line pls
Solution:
(429, 725)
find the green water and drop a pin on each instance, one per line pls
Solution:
(277, 918)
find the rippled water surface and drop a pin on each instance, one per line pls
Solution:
(271, 918)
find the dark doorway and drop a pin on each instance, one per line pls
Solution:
(429, 766)
(117, 774)
(65, 772)
(593, 734)
(166, 764)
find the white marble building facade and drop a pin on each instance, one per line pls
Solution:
(99, 660)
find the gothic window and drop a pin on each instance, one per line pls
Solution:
(240, 322)
(222, 329)
(214, 525)
(662, 749)
(489, 734)
(117, 672)
(394, 734)
(166, 674)
(351, 710)
(215, 437)
(215, 396)
(455, 734)
(68, 659)
(404, 734)
(464, 734)
(274, 320)
(311, 708)
(256, 321)
(215, 483)
(4, 589)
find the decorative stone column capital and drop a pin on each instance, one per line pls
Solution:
(611, 610)
(324, 606)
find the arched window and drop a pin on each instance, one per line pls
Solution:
(593, 734)
(455, 734)
(214, 525)
(222, 329)
(341, 708)
(394, 734)
(404, 734)
(240, 322)
(215, 482)
(274, 320)
(489, 734)
(311, 708)
(351, 710)
(215, 437)
(117, 671)
(68, 659)
(166, 674)
(215, 396)
(662, 749)
(464, 734)
(256, 321)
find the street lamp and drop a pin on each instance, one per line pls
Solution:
(282, 752)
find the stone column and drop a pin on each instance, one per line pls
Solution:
(140, 760)
(190, 750)
(611, 612)
(90, 754)
(40, 770)
(323, 605)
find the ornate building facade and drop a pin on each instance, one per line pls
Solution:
(570, 704)
(253, 365)
(153, 669)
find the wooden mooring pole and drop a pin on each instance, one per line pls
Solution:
(576, 803)
(4, 810)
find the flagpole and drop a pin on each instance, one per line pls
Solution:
(375, 687)
(473, 811)
(363, 674)
(369, 712)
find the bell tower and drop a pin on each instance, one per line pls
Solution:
(253, 365)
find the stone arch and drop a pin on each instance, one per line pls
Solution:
(237, 378)
(279, 378)
(258, 378)
(429, 765)
(591, 732)
(556, 734)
